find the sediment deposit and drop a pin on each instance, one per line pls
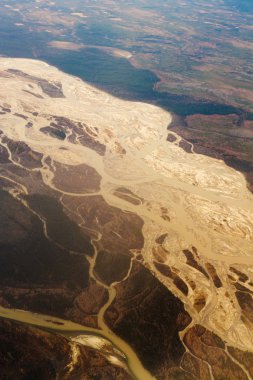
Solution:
(100, 211)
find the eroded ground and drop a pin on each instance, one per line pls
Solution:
(107, 224)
